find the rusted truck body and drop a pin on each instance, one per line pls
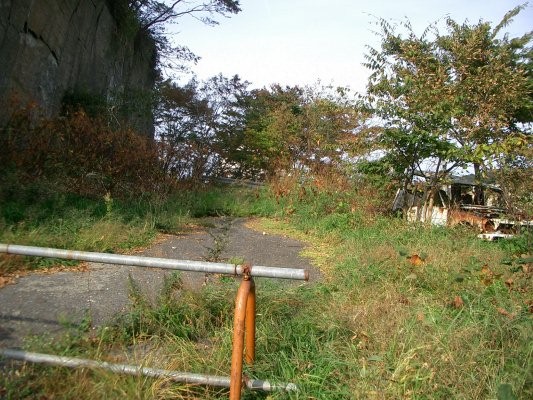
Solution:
(458, 203)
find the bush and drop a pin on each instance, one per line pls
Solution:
(81, 155)
(331, 200)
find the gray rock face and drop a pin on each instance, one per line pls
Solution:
(48, 47)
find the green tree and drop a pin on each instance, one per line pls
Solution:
(458, 99)
(293, 127)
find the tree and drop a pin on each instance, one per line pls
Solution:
(199, 125)
(153, 17)
(288, 127)
(218, 127)
(458, 99)
(154, 13)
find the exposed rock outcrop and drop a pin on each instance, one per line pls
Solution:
(50, 47)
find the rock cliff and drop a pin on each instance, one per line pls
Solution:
(51, 47)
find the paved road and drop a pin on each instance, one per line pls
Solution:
(39, 304)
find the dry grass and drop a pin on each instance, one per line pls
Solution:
(321, 252)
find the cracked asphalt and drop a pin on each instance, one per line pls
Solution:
(39, 304)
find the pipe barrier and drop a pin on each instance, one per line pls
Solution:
(243, 323)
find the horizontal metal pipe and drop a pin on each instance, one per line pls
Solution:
(186, 377)
(183, 265)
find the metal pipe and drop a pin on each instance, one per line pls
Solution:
(186, 377)
(184, 265)
(249, 325)
(238, 339)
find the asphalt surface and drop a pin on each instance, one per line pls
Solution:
(46, 304)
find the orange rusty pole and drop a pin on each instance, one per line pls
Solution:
(244, 319)
(249, 324)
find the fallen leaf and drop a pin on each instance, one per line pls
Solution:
(4, 281)
(415, 260)
(362, 339)
(404, 300)
(458, 302)
(485, 270)
(503, 311)
(420, 317)
(487, 276)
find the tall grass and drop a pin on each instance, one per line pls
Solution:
(35, 215)
(403, 311)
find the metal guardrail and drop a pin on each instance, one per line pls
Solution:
(175, 376)
(243, 324)
(152, 262)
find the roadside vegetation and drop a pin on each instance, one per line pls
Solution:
(404, 311)
(37, 216)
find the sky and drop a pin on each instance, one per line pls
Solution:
(300, 42)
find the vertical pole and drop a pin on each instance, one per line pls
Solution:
(249, 324)
(238, 338)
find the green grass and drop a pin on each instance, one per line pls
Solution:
(379, 326)
(34, 216)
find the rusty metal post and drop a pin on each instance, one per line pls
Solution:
(244, 321)
(249, 324)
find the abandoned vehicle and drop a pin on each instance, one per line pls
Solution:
(458, 202)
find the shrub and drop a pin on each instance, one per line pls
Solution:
(80, 154)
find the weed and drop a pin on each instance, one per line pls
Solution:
(452, 322)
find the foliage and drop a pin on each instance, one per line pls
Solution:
(154, 17)
(197, 125)
(513, 173)
(155, 13)
(300, 128)
(459, 98)
(80, 153)
(401, 311)
(119, 109)
(79, 99)
(218, 127)
(34, 213)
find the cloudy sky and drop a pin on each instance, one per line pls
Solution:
(302, 41)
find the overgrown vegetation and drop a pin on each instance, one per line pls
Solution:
(403, 310)
(78, 154)
(452, 100)
(37, 215)
(221, 128)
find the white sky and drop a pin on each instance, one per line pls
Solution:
(301, 41)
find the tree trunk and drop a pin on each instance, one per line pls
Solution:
(478, 190)
(433, 192)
